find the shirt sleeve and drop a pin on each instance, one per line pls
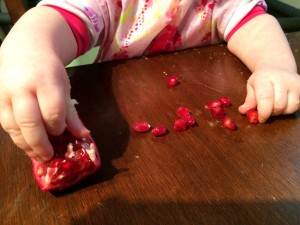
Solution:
(89, 12)
(228, 14)
(127, 28)
(257, 10)
(78, 29)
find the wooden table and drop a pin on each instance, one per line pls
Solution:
(205, 175)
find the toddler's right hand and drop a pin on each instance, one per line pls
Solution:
(35, 102)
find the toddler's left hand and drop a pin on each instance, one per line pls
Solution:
(273, 92)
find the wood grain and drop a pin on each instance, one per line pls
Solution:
(205, 175)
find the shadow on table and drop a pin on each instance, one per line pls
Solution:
(119, 211)
(99, 112)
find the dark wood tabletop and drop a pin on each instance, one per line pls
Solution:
(204, 175)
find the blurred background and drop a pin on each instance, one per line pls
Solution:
(287, 12)
(5, 20)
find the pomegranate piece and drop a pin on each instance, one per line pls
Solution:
(213, 104)
(172, 80)
(182, 111)
(189, 119)
(159, 131)
(74, 159)
(252, 116)
(141, 126)
(218, 112)
(180, 125)
(225, 101)
(228, 123)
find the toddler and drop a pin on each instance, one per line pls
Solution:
(35, 91)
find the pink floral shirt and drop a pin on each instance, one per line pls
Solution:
(130, 28)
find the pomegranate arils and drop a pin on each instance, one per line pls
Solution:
(182, 111)
(228, 123)
(55, 162)
(216, 108)
(180, 125)
(213, 104)
(217, 112)
(141, 127)
(172, 80)
(74, 159)
(159, 131)
(41, 170)
(252, 116)
(225, 101)
(189, 119)
(82, 154)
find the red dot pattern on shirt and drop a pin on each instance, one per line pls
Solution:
(139, 22)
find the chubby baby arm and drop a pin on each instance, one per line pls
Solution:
(35, 90)
(274, 86)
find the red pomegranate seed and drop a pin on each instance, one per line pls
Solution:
(228, 123)
(182, 111)
(141, 127)
(252, 116)
(225, 101)
(55, 162)
(172, 80)
(180, 125)
(213, 104)
(159, 131)
(41, 170)
(218, 112)
(66, 168)
(189, 119)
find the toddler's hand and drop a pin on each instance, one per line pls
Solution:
(35, 101)
(273, 92)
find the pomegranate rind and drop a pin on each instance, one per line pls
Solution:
(69, 165)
